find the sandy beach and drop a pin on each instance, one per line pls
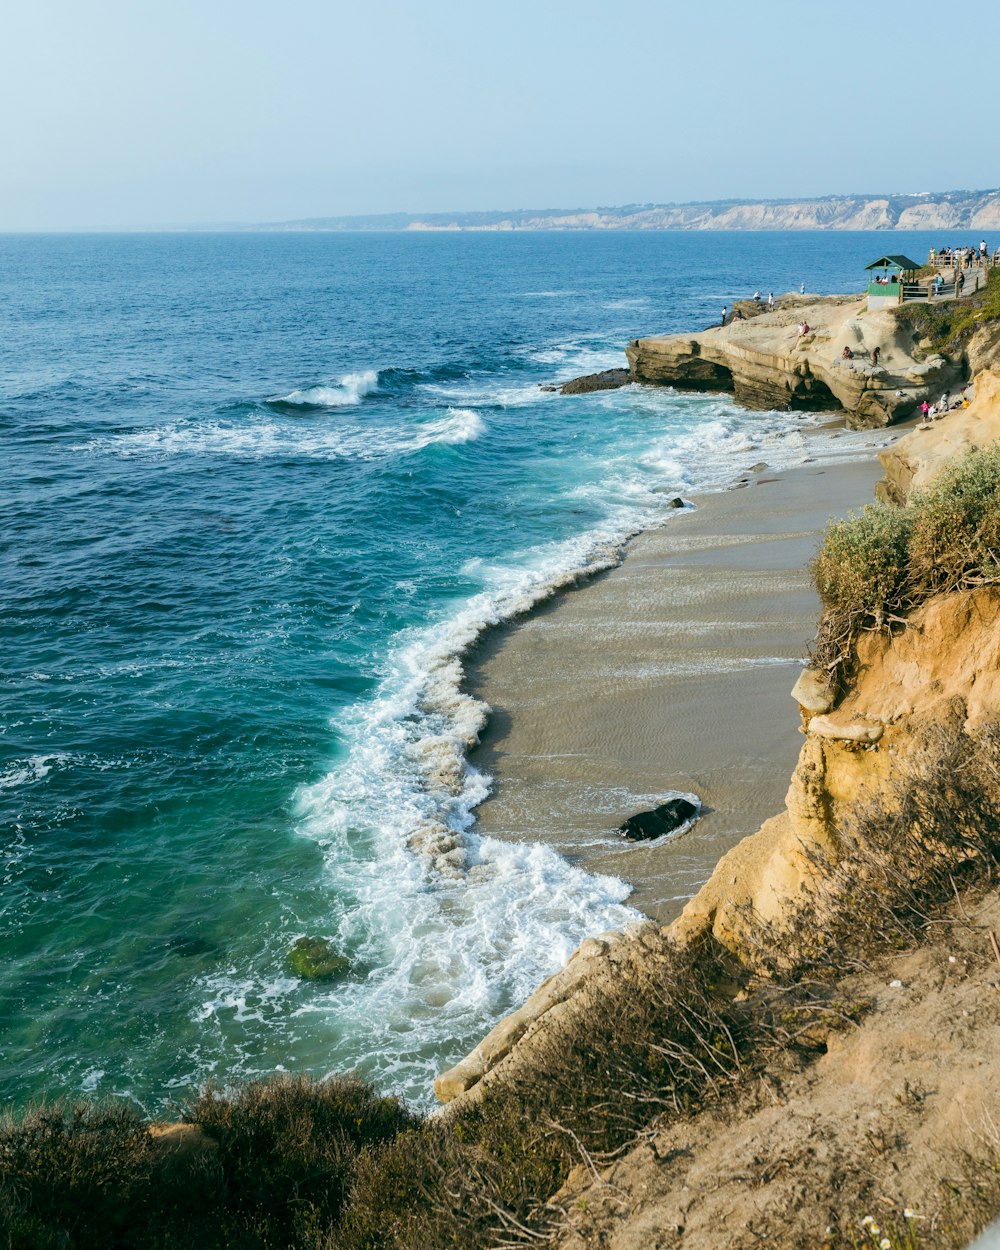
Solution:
(671, 672)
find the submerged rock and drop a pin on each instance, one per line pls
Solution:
(663, 819)
(314, 959)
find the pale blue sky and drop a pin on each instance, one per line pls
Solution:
(128, 112)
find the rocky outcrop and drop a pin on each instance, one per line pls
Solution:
(915, 459)
(607, 380)
(766, 363)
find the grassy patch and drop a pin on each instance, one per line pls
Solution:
(950, 324)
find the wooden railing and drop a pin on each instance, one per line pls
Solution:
(969, 281)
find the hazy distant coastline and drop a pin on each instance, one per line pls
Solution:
(926, 210)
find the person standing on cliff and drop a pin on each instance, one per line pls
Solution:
(770, 301)
(724, 311)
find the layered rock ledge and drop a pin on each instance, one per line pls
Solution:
(766, 363)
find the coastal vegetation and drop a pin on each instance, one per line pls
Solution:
(948, 326)
(880, 564)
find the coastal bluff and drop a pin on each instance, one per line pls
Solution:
(943, 668)
(765, 361)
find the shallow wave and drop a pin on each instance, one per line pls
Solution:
(453, 951)
(349, 391)
(574, 358)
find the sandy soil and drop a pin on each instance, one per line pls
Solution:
(669, 673)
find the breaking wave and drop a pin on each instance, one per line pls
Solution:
(349, 391)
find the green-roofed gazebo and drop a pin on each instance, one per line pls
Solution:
(886, 278)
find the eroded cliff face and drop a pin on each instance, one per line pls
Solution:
(944, 665)
(914, 460)
(766, 363)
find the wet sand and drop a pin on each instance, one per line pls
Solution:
(669, 673)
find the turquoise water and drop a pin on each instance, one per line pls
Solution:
(259, 493)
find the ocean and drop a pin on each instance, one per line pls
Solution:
(260, 493)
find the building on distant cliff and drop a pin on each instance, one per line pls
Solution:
(886, 278)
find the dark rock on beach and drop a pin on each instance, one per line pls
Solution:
(609, 380)
(663, 819)
(676, 502)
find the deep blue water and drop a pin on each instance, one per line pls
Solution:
(258, 492)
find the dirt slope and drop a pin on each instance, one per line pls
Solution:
(869, 1128)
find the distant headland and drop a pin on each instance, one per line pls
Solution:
(923, 210)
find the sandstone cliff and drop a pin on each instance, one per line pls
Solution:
(915, 459)
(766, 363)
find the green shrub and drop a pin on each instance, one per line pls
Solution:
(878, 565)
(863, 566)
(90, 1177)
(71, 1176)
(93, 1178)
(862, 575)
(955, 538)
(287, 1147)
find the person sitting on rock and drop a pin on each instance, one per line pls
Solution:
(756, 297)
(847, 354)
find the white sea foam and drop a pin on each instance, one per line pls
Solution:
(259, 437)
(350, 390)
(483, 394)
(26, 772)
(575, 358)
(451, 944)
(458, 425)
